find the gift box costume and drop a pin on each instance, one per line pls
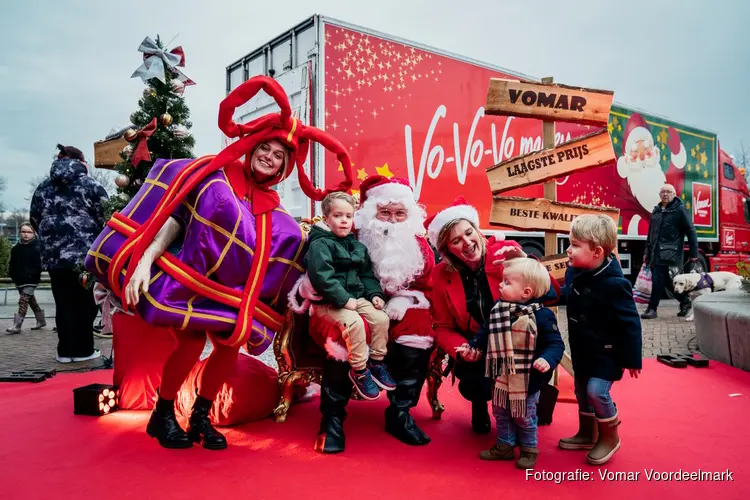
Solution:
(240, 248)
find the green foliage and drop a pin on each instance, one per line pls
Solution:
(5, 247)
(158, 99)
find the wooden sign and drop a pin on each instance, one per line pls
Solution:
(548, 101)
(556, 265)
(107, 153)
(540, 214)
(583, 153)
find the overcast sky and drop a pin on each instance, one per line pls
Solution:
(65, 66)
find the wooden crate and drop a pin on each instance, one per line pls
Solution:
(107, 153)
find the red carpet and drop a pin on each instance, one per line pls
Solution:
(672, 419)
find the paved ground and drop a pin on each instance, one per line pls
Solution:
(36, 349)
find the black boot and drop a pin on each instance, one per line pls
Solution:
(474, 387)
(335, 391)
(408, 365)
(163, 426)
(200, 426)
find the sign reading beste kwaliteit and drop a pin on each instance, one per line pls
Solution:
(583, 153)
(541, 214)
(548, 101)
(556, 265)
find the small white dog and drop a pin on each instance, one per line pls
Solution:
(696, 284)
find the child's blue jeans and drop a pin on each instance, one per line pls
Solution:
(521, 430)
(593, 397)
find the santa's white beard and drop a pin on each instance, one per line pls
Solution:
(395, 252)
(645, 179)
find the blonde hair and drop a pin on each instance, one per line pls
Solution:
(596, 230)
(533, 274)
(337, 195)
(442, 243)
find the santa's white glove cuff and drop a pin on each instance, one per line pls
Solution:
(306, 289)
(397, 307)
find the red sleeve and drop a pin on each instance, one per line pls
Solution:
(446, 330)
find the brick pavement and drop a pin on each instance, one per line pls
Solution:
(36, 349)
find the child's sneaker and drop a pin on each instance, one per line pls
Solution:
(381, 375)
(364, 385)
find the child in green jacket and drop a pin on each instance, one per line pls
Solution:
(341, 272)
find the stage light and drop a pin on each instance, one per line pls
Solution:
(95, 399)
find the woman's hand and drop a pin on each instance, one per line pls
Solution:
(508, 253)
(139, 281)
(378, 303)
(469, 354)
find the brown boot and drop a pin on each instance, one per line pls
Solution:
(527, 459)
(587, 434)
(498, 452)
(608, 442)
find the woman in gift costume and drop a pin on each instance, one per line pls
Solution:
(465, 288)
(272, 145)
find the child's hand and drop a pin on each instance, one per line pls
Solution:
(541, 365)
(469, 353)
(351, 304)
(378, 302)
(634, 373)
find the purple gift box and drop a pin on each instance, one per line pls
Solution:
(218, 242)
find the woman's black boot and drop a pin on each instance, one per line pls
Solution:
(200, 427)
(163, 426)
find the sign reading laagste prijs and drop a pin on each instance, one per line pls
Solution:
(583, 153)
(548, 101)
(540, 214)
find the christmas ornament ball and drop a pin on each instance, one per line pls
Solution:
(178, 87)
(166, 119)
(179, 131)
(122, 180)
(130, 135)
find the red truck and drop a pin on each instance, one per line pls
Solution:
(412, 111)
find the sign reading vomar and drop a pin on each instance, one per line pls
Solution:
(583, 153)
(548, 101)
(540, 214)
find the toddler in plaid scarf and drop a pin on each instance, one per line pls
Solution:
(522, 346)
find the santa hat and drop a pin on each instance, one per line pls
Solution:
(459, 209)
(385, 190)
(676, 148)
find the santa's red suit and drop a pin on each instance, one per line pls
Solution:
(640, 165)
(390, 224)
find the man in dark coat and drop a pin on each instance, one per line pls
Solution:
(670, 223)
(67, 214)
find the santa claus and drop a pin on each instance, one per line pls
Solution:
(390, 224)
(640, 165)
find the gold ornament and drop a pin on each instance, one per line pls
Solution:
(166, 119)
(122, 181)
(130, 135)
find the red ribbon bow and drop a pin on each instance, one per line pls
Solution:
(141, 151)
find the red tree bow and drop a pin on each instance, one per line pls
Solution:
(141, 151)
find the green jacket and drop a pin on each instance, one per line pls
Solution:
(340, 268)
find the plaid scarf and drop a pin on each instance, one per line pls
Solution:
(510, 350)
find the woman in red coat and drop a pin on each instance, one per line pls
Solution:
(465, 288)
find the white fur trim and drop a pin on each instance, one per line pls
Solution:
(422, 302)
(633, 225)
(622, 167)
(445, 216)
(322, 225)
(680, 159)
(292, 298)
(391, 191)
(416, 341)
(336, 350)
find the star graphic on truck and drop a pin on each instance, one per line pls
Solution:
(385, 171)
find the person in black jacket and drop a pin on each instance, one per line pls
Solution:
(25, 271)
(67, 213)
(604, 332)
(670, 223)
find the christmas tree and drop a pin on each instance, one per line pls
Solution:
(160, 126)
